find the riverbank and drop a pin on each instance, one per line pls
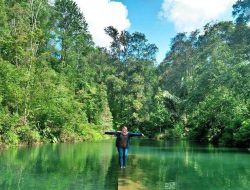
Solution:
(65, 137)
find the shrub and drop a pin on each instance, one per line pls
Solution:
(242, 135)
(10, 138)
(68, 135)
(29, 135)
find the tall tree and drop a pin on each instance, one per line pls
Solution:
(132, 88)
(126, 46)
(70, 31)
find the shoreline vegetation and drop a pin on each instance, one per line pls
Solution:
(56, 85)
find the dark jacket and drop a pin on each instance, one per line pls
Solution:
(118, 137)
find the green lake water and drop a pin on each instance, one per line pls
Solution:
(152, 165)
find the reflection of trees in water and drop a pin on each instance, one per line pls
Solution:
(190, 168)
(95, 166)
(81, 166)
(111, 177)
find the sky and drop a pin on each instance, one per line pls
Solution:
(159, 20)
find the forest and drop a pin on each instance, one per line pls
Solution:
(56, 85)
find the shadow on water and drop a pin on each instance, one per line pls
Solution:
(151, 165)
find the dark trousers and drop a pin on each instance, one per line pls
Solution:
(123, 155)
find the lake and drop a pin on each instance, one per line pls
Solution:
(152, 165)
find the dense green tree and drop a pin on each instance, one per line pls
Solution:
(70, 32)
(4, 30)
(132, 88)
(126, 46)
(39, 103)
(208, 72)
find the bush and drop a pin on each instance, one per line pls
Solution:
(242, 135)
(29, 135)
(68, 135)
(176, 132)
(10, 138)
(89, 132)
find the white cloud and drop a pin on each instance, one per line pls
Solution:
(188, 15)
(102, 13)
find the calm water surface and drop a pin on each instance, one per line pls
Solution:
(152, 165)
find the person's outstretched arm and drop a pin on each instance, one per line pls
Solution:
(110, 133)
(136, 134)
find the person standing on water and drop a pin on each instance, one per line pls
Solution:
(122, 143)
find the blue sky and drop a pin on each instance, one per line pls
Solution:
(159, 20)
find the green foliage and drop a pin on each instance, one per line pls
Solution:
(217, 116)
(28, 135)
(209, 73)
(69, 29)
(46, 97)
(242, 134)
(126, 46)
(132, 86)
(10, 138)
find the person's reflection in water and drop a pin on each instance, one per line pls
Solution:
(122, 143)
(128, 182)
